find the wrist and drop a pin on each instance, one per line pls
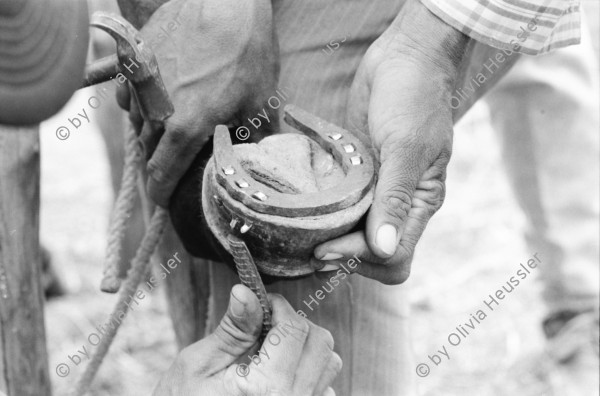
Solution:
(418, 34)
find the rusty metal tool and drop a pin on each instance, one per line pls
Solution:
(135, 61)
(250, 277)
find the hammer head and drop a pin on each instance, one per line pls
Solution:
(137, 63)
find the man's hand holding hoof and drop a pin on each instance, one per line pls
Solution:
(401, 96)
(219, 62)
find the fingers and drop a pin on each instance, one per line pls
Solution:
(297, 354)
(285, 343)
(346, 246)
(148, 132)
(427, 199)
(334, 366)
(399, 265)
(398, 177)
(123, 97)
(174, 154)
(135, 116)
(346, 249)
(238, 331)
(170, 150)
(150, 136)
(317, 353)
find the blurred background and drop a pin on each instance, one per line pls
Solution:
(471, 246)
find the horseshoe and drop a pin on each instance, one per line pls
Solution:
(281, 230)
(345, 148)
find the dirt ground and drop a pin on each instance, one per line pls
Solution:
(470, 247)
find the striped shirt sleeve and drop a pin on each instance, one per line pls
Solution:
(527, 26)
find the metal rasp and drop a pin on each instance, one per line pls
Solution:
(250, 277)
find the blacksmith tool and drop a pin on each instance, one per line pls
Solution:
(136, 62)
(250, 277)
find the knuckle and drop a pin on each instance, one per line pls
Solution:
(375, 55)
(406, 251)
(440, 164)
(298, 327)
(438, 195)
(324, 336)
(438, 189)
(336, 363)
(432, 194)
(303, 327)
(445, 154)
(406, 247)
(279, 303)
(396, 202)
(230, 334)
(180, 135)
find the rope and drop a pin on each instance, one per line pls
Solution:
(134, 276)
(121, 213)
(140, 263)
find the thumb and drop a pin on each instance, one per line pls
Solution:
(399, 175)
(238, 331)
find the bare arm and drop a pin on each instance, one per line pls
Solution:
(411, 86)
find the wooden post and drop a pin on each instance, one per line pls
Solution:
(23, 355)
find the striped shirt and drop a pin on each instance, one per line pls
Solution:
(527, 26)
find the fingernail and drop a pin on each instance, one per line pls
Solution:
(236, 307)
(331, 256)
(329, 267)
(386, 238)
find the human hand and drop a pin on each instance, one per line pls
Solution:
(300, 362)
(219, 65)
(401, 96)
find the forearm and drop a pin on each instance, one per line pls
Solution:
(468, 68)
(418, 34)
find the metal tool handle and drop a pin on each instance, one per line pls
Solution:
(250, 277)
